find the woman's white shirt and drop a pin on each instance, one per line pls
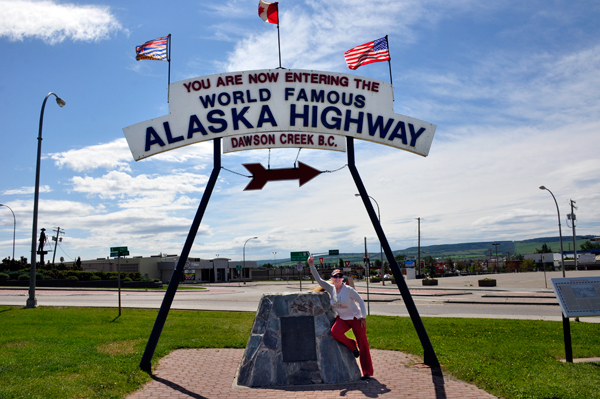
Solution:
(347, 303)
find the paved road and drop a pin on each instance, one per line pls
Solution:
(517, 296)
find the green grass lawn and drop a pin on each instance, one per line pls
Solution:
(82, 352)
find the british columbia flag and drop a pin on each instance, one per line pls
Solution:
(153, 50)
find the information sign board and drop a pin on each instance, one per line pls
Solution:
(301, 256)
(334, 252)
(578, 297)
(238, 267)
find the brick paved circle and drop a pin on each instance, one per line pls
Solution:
(210, 373)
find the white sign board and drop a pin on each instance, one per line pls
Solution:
(279, 108)
(578, 296)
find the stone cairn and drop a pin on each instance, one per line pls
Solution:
(291, 344)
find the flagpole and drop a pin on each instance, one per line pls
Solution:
(389, 60)
(169, 60)
(390, 65)
(278, 40)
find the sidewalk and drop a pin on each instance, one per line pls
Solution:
(210, 373)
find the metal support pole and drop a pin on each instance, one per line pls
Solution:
(31, 300)
(119, 281)
(565, 320)
(430, 357)
(145, 363)
(419, 246)
(368, 269)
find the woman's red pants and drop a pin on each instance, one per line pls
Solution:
(338, 332)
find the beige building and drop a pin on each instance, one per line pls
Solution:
(162, 266)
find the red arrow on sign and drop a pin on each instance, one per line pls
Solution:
(260, 175)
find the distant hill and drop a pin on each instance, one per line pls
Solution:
(460, 251)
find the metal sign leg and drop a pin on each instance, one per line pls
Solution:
(145, 364)
(430, 357)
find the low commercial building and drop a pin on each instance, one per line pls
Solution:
(162, 266)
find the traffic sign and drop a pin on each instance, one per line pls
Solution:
(238, 267)
(321, 260)
(334, 252)
(301, 256)
(118, 251)
(347, 263)
(299, 266)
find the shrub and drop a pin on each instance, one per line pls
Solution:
(113, 277)
(72, 278)
(3, 276)
(127, 279)
(23, 277)
(95, 278)
(100, 274)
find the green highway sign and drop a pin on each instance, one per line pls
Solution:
(301, 256)
(334, 252)
(238, 267)
(118, 251)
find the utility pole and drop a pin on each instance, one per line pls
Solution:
(572, 218)
(496, 265)
(55, 239)
(419, 245)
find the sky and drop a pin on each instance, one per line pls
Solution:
(513, 88)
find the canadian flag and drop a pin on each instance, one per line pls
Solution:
(268, 12)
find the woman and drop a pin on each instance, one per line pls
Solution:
(351, 314)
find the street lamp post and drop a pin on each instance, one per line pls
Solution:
(380, 248)
(566, 326)
(243, 271)
(496, 245)
(14, 228)
(562, 258)
(31, 301)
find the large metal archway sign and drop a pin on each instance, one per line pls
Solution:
(279, 108)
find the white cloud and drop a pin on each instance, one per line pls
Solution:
(27, 190)
(53, 22)
(314, 35)
(161, 188)
(113, 155)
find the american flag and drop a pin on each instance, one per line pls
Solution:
(153, 50)
(375, 51)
